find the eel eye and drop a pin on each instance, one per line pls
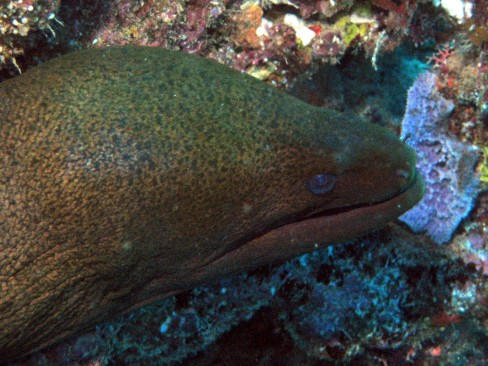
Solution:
(321, 183)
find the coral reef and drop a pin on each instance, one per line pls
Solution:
(17, 19)
(273, 40)
(484, 166)
(462, 77)
(378, 96)
(447, 164)
(388, 299)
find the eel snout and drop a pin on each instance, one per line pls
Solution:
(359, 177)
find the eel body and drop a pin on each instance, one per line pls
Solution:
(128, 174)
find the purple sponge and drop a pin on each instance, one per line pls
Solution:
(451, 185)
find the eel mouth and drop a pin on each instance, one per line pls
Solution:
(316, 231)
(345, 223)
(307, 233)
(415, 185)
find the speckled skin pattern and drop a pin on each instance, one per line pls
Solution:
(128, 174)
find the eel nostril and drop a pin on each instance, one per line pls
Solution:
(403, 173)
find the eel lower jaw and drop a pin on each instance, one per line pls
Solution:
(316, 231)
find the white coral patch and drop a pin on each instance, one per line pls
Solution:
(303, 33)
(458, 9)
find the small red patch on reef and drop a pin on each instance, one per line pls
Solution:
(444, 319)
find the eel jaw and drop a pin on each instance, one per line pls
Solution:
(311, 233)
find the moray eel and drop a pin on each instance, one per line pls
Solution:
(129, 174)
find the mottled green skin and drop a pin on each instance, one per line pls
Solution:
(129, 174)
